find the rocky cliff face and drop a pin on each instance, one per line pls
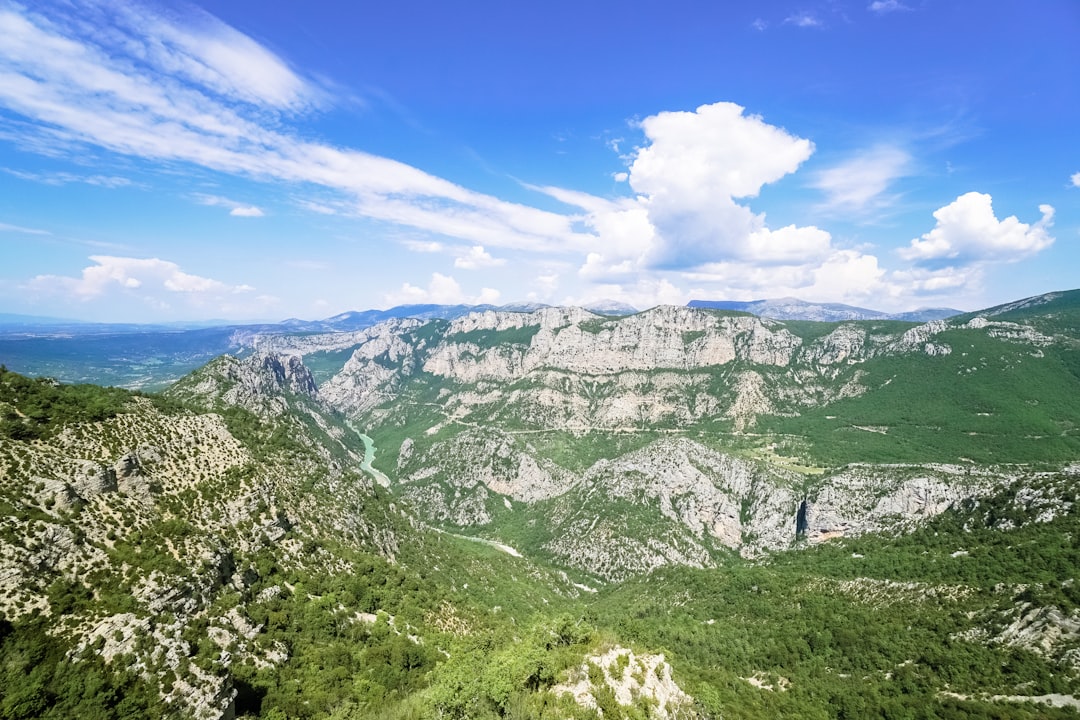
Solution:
(480, 384)
(889, 498)
(260, 383)
(642, 681)
(575, 341)
(376, 368)
(275, 387)
(567, 368)
(90, 498)
(673, 501)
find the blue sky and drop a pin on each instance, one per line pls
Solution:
(243, 160)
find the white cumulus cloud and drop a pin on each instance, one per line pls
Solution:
(690, 220)
(441, 290)
(545, 286)
(642, 292)
(967, 231)
(689, 177)
(154, 283)
(939, 281)
(424, 246)
(847, 276)
(246, 211)
(1076, 180)
(132, 273)
(476, 257)
(694, 168)
(716, 149)
(236, 209)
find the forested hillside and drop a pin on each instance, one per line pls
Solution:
(441, 523)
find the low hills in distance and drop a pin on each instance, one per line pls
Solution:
(779, 309)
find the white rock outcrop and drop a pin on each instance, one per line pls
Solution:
(634, 680)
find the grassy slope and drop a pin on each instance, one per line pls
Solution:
(988, 401)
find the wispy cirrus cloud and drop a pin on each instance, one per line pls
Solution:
(883, 7)
(236, 209)
(860, 182)
(5, 227)
(66, 178)
(804, 20)
(126, 79)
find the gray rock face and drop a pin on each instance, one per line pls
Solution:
(868, 498)
(58, 493)
(210, 505)
(674, 501)
(567, 368)
(261, 379)
(289, 372)
(490, 459)
(571, 339)
(261, 383)
(684, 501)
(741, 504)
(384, 356)
(131, 480)
(326, 342)
(93, 479)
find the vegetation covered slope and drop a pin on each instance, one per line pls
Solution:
(202, 586)
(184, 563)
(221, 552)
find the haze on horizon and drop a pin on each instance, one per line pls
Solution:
(166, 161)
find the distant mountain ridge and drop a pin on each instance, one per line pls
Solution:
(150, 357)
(777, 309)
(795, 309)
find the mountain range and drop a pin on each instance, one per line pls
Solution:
(152, 356)
(681, 512)
(795, 309)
